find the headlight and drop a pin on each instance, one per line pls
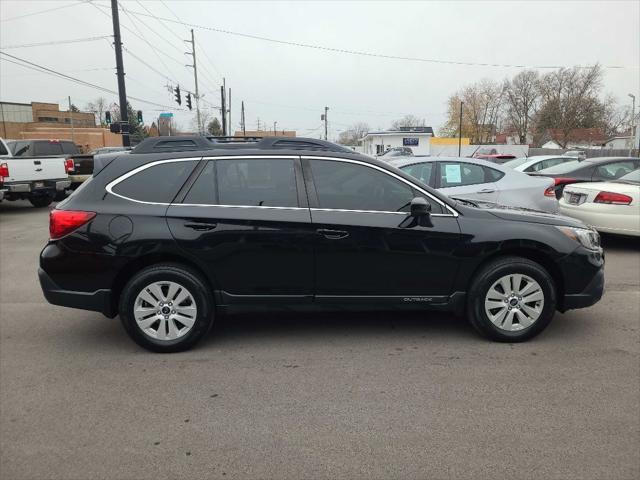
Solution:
(586, 237)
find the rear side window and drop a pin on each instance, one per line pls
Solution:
(421, 171)
(493, 175)
(159, 183)
(457, 174)
(257, 182)
(203, 191)
(613, 171)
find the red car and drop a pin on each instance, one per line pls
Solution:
(492, 155)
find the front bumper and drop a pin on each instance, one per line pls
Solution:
(97, 301)
(591, 294)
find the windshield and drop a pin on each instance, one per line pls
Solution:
(631, 177)
(516, 162)
(561, 168)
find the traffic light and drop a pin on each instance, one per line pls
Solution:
(140, 117)
(177, 93)
(107, 118)
(189, 101)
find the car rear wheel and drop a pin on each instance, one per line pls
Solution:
(166, 308)
(511, 299)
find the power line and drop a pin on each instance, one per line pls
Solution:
(370, 54)
(39, 12)
(58, 42)
(49, 71)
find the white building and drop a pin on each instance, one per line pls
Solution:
(619, 143)
(416, 138)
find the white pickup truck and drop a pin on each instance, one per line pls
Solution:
(37, 179)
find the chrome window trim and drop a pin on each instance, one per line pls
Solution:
(454, 213)
(113, 183)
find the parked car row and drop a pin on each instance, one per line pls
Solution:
(43, 170)
(602, 192)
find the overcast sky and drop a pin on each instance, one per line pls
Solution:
(292, 84)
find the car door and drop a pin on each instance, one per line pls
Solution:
(465, 180)
(365, 249)
(247, 220)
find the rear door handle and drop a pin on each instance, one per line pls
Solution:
(333, 234)
(201, 226)
(486, 190)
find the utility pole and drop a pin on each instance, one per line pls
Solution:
(633, 123)
(274, 129)
(223, 111)
(122, 92)
(195, 77)
(229, 112)
(244, 127)
(326, 109)
(460, 131)
(71, 119)
(258, 124)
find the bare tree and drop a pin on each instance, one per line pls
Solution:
(408, 121)
(570, 100)
(98, 107)
(522, 97)
(482, 108)
(615, 119)
(353, 134)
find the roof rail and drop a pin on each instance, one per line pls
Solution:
(185, 143)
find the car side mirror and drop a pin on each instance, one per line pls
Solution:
(420, 214)
(420, 207)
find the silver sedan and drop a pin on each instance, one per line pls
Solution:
(481, 180)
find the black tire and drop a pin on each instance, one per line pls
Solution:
(491, 273)
(41, 201)
(174, 273)
(60, 195)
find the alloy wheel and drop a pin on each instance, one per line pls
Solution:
(165, 311)
(514, 302)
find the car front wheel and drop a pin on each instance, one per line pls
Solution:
(166, 308)
(511, 299)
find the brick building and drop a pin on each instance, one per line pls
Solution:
(46, 120)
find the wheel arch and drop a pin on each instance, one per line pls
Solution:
(544, 259)
(138, 264)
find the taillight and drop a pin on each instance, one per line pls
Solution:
(613, 198)
(69, 165)
(550, 192)
(4, 170)
(63, 222)
(564, 180)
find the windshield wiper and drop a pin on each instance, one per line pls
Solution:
(464, 200)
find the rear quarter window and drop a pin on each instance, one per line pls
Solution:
(493, 175)
(158, 183)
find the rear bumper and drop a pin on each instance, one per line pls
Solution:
(591, 294)
(97, 301)
(79, 178)
(33, 187)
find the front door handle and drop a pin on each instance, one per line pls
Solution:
(333, 234)
(201, 226)
(487, 190)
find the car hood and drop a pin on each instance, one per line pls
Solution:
(521, 214)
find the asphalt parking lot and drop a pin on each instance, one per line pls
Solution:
(367, 395)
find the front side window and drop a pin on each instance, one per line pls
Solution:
(457, 174)
(421, 171)
(257, 182)
(350, 186)
(158, 184)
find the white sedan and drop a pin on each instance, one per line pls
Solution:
(610, 207)
(537, 162)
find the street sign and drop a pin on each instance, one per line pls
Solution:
(166, 115)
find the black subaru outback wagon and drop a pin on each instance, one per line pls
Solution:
(185, 227)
